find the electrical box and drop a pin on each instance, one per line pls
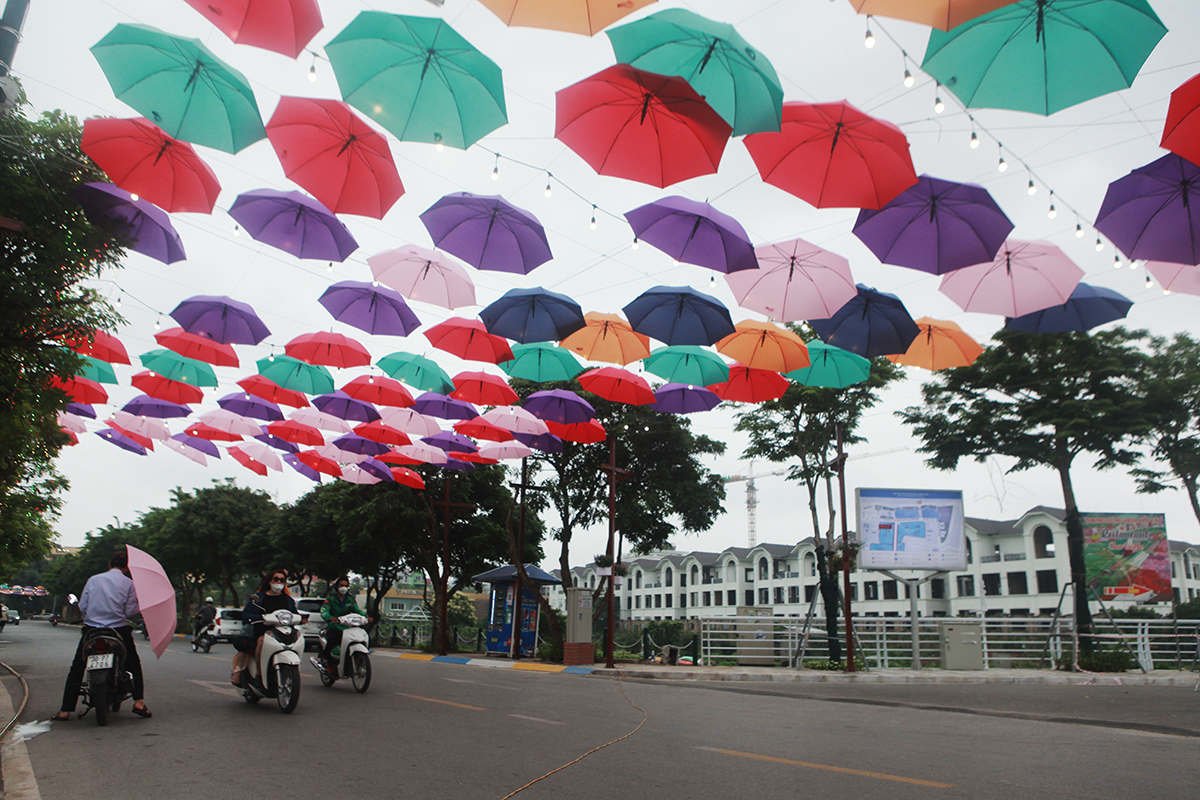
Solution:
(961, 644)
(579, 615)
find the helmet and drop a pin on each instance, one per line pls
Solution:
(208, 599)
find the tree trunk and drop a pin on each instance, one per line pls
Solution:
(1189, 485)
(1083, 611)
(828, 584)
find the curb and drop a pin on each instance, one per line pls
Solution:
(528, 666)
(1047, 677)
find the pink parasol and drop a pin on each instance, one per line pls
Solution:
(156, 597)
(1023, 278)
(795, 280)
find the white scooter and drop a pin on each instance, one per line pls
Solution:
(283, 643)
(353, 661)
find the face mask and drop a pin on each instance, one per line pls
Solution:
(343, 589)
(276, 587)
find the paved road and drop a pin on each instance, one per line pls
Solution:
(441, 730)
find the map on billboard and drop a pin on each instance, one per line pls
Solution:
(911, 529)
(1127, 556)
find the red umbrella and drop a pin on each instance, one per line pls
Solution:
(328, 349)
(81, 390)
(101, 345)
(267, 389)
(407, 477)
(474, 458)
(314, 460)
(141, 158)
(71, 435)
(469, 339)
(1181, 133)
(211, 433)
(479, 428)
(618, 385)
(392, 457)
(484, 388)
(834, 156)
(161, 388)
(384, 434)
(281, 26)
(324, 147)
(296, 432)
(629, 123)
(144, 441)
(248, 461)
(581, 432)
(748, 385)
(198, 347)
(379, 390)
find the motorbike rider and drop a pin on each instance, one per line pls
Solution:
(204, 617)
(272, 595)
(339, 603)
(108, 601)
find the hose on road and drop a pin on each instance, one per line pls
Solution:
(24, 699)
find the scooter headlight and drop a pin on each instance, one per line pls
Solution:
(284, 618)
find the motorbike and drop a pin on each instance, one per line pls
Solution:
(106, 683)
(352, 659)
(206, 639)
(54, 620)
(283, 643)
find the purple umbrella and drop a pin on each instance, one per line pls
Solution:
(205, 446)
(248, 405)
(1087, 307)
(679, 398)
(353, 443)
(341, 405)
(458, 465)
(270, 439)
(935, 226)
(371, 308)
(146, 225)
(1154, 211)
(221, 319)
(694, 233)
(439, 405)
(546, 442)
(533, 315)
(80, 410)
(451, 442)
(295, 463)
(147, 406)
(872, 324)
(378, 469)
(294, 223)
(487, 232)
(558, 405)
(121, 440)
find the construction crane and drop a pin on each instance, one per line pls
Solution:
(751, 499)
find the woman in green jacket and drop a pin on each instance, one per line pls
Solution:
(339, 603)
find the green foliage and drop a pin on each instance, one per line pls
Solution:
(667, 631)
(833, 666)
(461, 612)
(1188, 610)
(551, 648)
(1135, 612)
(1108, 659)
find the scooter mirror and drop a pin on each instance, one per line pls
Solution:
(72, 599)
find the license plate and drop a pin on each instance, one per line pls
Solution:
(104, 661)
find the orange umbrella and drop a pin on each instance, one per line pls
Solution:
(748, 385)
(588, 17)
(608, 337)
(618, 385)
(762, 345)
(940, 14)
(940, 345)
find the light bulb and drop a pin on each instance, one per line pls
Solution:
(549, 191)
(1149, 283)
(237, 230)
(712, 280)
(118, 301)
(1078, 231)
(634, 246)
(375, 284)
(496, 173)
(1134, 263)
(134, 196)
(1166, 291)
(1002, 165)
(312, 74)
(909, 80)
(330, 267)
(371, 379)
(869, 41)
(437, 142)
(592, 224)
(974, 141)
(938, 105)
(1053, 212)
(1099, 245)
(157, 325)
(1032, 189)
(1117, 262)
(271, 357)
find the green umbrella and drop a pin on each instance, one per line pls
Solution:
(418, 78)
(181, 86)
(542, 362)
(175, 367)
(831, 367)
(1044, 55)
(296, 375)
(97, 370)
(683, 363)
(736, 79)
(418, 371)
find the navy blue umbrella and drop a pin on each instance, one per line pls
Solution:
(1086, 308)
(679, 315)
(533, 315)
(872, 324)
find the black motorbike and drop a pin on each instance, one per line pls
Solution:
(106, 683)
(54, 620)
(206, 639)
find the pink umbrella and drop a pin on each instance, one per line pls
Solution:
(319, 419)
(188, 452)
(423, 452)
(410, 422)
(795, 280)
(70, 422)
(335, 453)
(149, 427)
(156, 597)
(516, 420)
(1024, 277)
(353, 474)
(1176, 277)
(230, 422)
(425, 275)
(504, 450)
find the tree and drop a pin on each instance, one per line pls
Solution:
(1042, 400)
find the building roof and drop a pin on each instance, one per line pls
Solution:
(1010, 526)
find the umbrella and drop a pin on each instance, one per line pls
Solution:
(542, 362)
(155, 596)
(220, 318)
(872, 324)
(248, 405)
(150, 427)
(81, 390)
(939, 345)
(371, 308)
(332, 451)
(144, 441)
(407, 477)
(765, 346)
(229, 422)
(646, 127)
(424, 275)
(618, 385)
(607, 337)
(202, 431)
(175, 367)
(396, 458)
(679, 315)
(940, 14)
(315, 461)
(473, 458)
(681, 398)
(458, 465)
(588, 432)
(748, 385)
(588, 17)
(181, 86)
(418, 78)
(834, 156)
(794, 280)
(291, 430)
(248, 461)
(935, 226)
(261, 452)
(410, 421)
(190, 453)
(1154, 211)
(546, 442)
(200, 348)
(162, 388)
(122, 441)
(432, 404)
(732, 76)
(384, 434)
(343, 406)
(281, 26)
(687, 364)
(502, 451)
(101, 345)
(267, 389)
(293, 461)
(275, 442)
(137, 156)
(295, 375)
(694, 233)
(483, 388)
(832, 367)
(487, 232)
(1176, 277)
(1043, 57)
(71, 423)
(515, 420)
(468, 339)
(479, 428)
(1086, 308)
(80, 410)
(423, 453)
(556, 405)
(379, 390)
(376, 468)
(353, 443)
(145, 225)
(96, 370)
(335, 156)
(533, 315)
(144, 406)
(197, 443)
(1024, 277)
(328, 349)
(417, 371)
(293, 223)
(1181, 131)
(451, 442)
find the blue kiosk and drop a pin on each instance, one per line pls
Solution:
(500, 610)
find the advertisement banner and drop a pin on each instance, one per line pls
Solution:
(1127, 556)
(911, 529)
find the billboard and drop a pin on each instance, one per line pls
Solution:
(910, 529)
(1127, 556)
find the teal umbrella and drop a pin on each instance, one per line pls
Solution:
(736, 79)
(542, 362)
(180, 86)
(296, 375)
(688, 364)
(1044, 55)
(418, 371)
(831, 367)
(97, 370)
(175, 367)
(418, 78)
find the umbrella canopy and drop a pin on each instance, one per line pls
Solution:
(451, 442)
(468, 339)
(407, 477)
(681, 398)
(423, 453)
(418, 371)
(262, 452)
(247, 405)
(296, 432)
(940, 14)
(328, 349)
(533, 315)
(618, 385)
(607, 337)
(137, 156)
(121, 440)
(872, 324)
(424, 275)
(267, 389)
(479, 428)
(144, 441)
(222, 420)
(542, 362)
(642, 126)
(293, 223)
(502, 451)
(582, 432)
(384, 434)
(181, 86)
(221, 319)
(101, 345)
(935, 226)
(353, 443)
(687, 364)
(556, 405)
(410, 421)
(319, 463)
(202, 431)
(418, 78)
(171, 365)
(145, 225)
(293, 461)
(281, 26)
(1181, 131)
(81, 390)
(732, 76)
(1043, 57)
(197, 443)
(487, 232)
(432, 404)
(545, 442)
(515, 420)
(832, 367)
(939, 345)
(473, 458)
(794, 280)
(80, 410)
(379, 390)
(335, 156)
(157, 386)
(275, 442)
(834, 156)
(96, 370)
(1176, 277)
(187, 452)
(145, 406)
(294, 375)
(1024, 277)
(1086, 308)
(200, 348)
(150, 427)
(374, 309)
(1154, 211)
(321, 420)
(763, 345)
(155, 596)
(248, 461)
(694, 233)
(343, 406)
(483, 388)
(679, 315)
(748, 385)
(588, 17)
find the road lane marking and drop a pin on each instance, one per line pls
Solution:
(845, 770)
(489, 685)
(217, 688)
(443, 702)
(536, 719)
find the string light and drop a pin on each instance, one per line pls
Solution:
(1134, 263)
(549, 191)
(1001, 165)
(158, 323)
(496, 169)
(1117, 262)
(1149, 283)
(1032, 190)
(593, 222)
(375, 284)
(134, 196)
(909, 80)
(712, 281)
(312, 72)
(634, 246)
(1078, 231)
(437, 142)
(237, 230)
(869, 41)
(1052, 212)
(1099, 245)
(938, 105)
(330, 267)
(974, 141)
(1166, 291)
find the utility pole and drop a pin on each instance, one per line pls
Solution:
(443, 617)
(615, 476)
(515, 639)
(841, 470)
(10, 32)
